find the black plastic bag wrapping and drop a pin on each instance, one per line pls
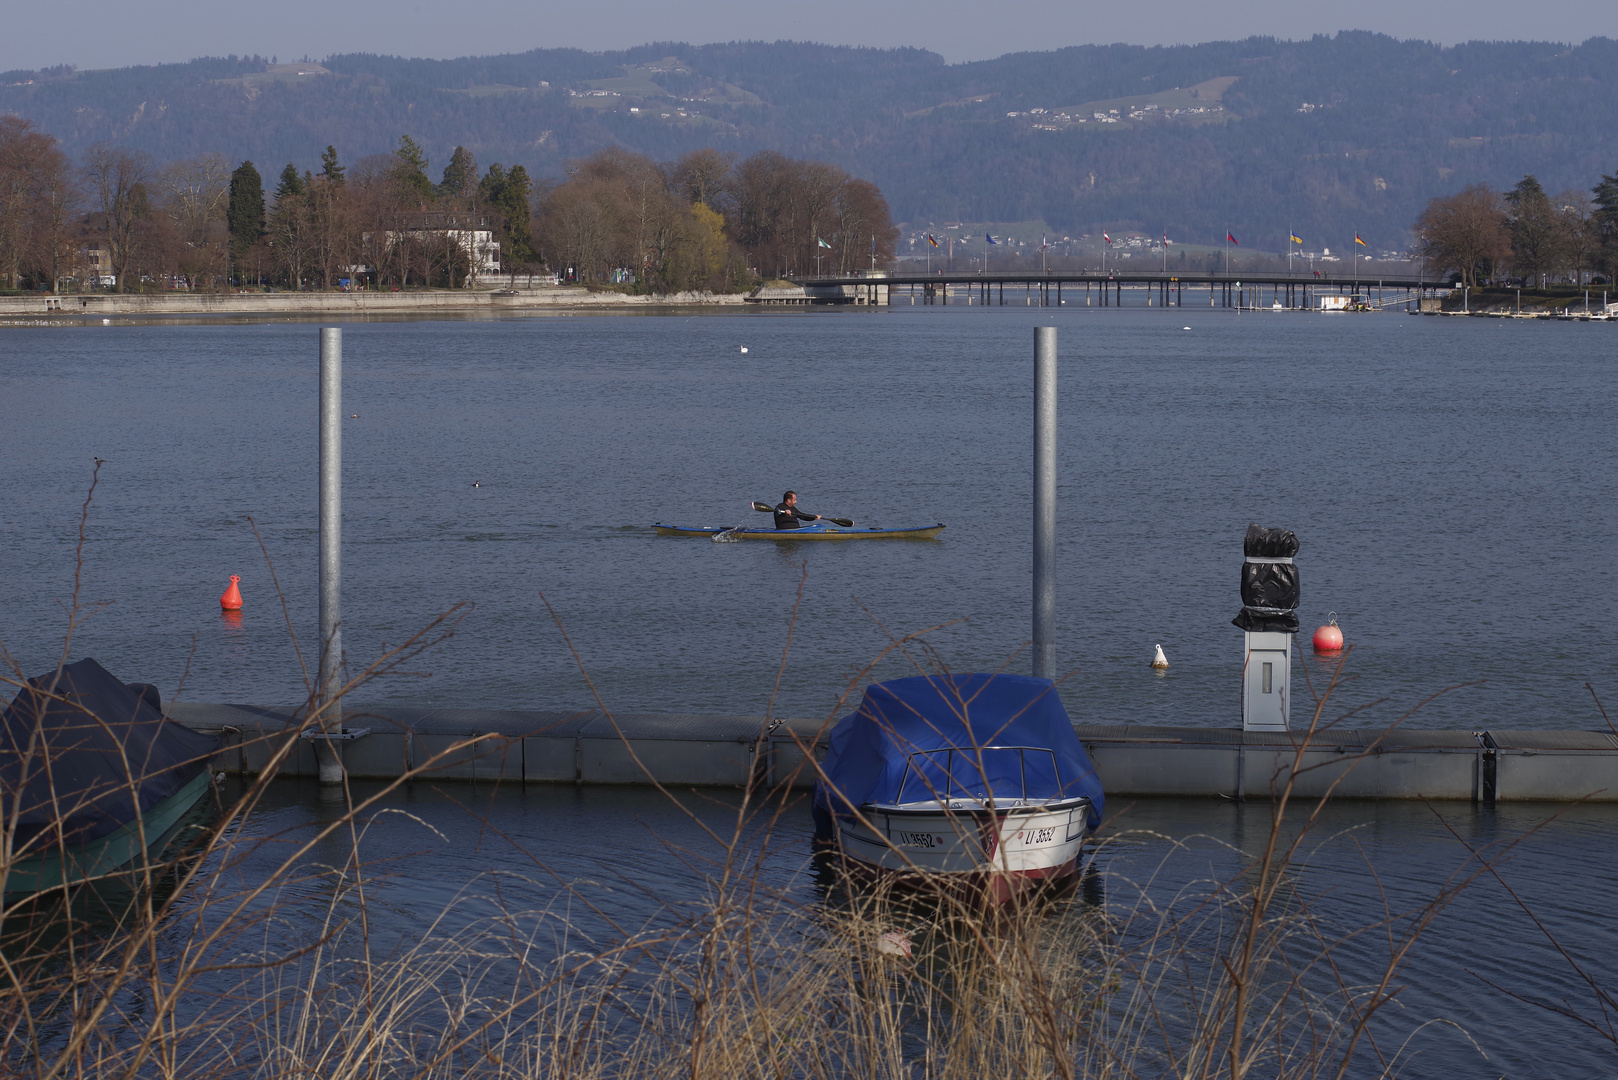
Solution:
(1270, 589)
(1259, 623)
(1262, 543)
(1270, 585)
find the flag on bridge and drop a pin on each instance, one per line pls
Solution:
(823, 243)
(1296, 239)
(1232, 239)
(931, 241)
(1107, 238)
(1165, 239)
(1360, 242)
(990, 239)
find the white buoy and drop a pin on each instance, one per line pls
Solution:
(1160, 662)
(1185, 328)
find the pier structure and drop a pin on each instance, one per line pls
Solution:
(1148, 288)
(589, 746)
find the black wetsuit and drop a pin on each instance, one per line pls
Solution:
(787, 517)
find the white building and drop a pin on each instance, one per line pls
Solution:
(475, 238)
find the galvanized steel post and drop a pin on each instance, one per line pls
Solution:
(329, 749)
(1045, 502)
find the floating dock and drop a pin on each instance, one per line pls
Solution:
(587, 746)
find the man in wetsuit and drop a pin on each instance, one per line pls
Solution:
(787, 514)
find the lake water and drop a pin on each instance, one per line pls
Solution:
(1451, 482)
(585, 866)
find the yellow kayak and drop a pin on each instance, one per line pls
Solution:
(818, 530)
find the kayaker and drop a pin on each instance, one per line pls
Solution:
(787, 514)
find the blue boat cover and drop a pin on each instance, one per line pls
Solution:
(82, 754)
(895, 747)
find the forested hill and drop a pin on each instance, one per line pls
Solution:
(1326, 136)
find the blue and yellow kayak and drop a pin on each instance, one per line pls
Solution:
(815, 530)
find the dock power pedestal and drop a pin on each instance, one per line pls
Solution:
(1269, 618)
(1266, 682)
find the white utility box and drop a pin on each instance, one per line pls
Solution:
(1266, 682)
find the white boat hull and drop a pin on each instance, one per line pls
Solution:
(1014, 846)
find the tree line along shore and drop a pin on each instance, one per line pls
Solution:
(616, 220)
(1522, 237)
(620, 221)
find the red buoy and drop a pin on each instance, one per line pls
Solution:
(232, 600)
(1329, 638)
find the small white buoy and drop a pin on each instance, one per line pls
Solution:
(744, 348)
(1185, 328)
(106, 322)
(1160, 662)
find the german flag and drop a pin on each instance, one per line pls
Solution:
(1360, 242)
(931, 241)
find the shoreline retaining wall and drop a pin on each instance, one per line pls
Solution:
(586, 746)
(44, 307)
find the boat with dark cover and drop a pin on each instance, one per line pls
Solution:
(91, 775)
(976, 780)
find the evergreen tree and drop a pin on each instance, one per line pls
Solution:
(332, 171)
(460, 175)
(244, 216)
(514, 200)
(411, 171)
(508, 194)
(1606, 223)
(291, 183)
(1532, 222)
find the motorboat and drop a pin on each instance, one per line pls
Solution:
(959, 780)
(92, 776)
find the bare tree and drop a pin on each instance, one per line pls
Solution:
(1578, 237)
(60, 199)
(1465, 233)
(34, 196)
(197, 192)
(117, 178)
(704, 176)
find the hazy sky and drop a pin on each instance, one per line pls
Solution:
(115, 33)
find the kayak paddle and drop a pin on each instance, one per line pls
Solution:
(765, 508)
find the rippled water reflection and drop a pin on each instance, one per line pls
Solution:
(1452, 482)
(600, 863)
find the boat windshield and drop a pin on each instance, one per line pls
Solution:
(1006, 774)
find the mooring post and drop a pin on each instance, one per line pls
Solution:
(1045, 502)
(331, 554)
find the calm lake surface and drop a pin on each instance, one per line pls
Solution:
(1451, 482)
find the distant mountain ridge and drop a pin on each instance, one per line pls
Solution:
(1351, 132)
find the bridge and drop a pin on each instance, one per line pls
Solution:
(1140, 288)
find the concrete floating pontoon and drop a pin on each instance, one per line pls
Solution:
(586, 746)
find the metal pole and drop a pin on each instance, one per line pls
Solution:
(331, 552)
(1045, 502)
